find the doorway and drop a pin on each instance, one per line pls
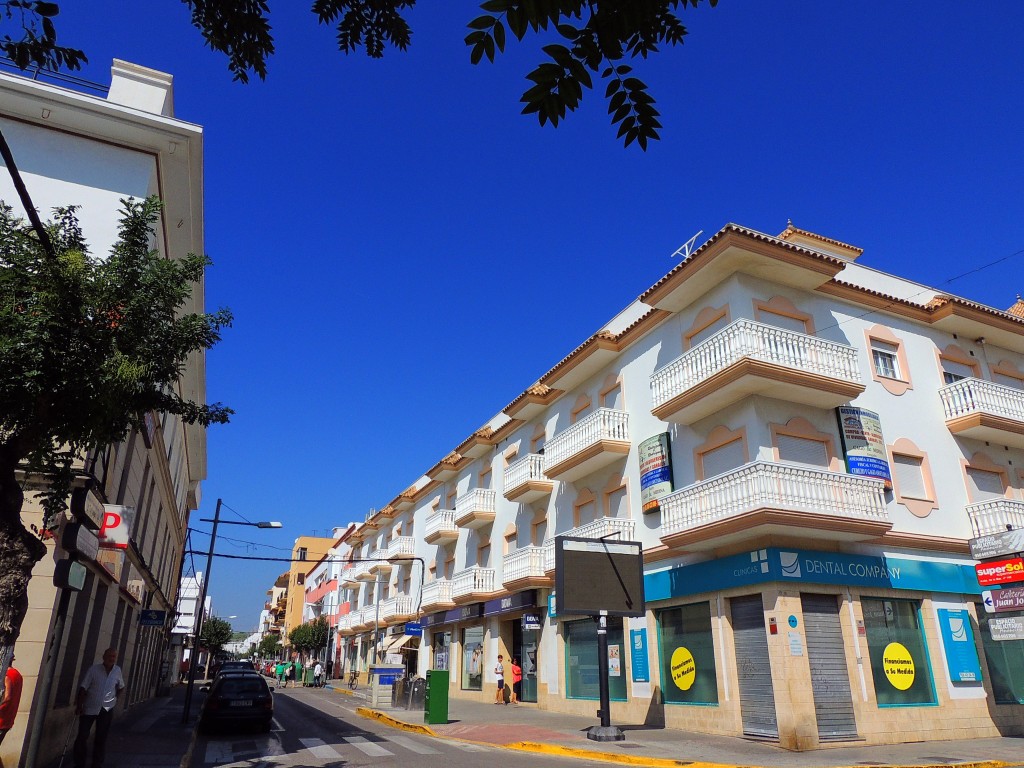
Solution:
(524, 647)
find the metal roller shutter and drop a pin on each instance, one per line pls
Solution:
(757, 696)
(830, 680)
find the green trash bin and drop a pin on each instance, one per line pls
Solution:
(307, 676)
(435, 698)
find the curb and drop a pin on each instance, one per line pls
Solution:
(345, 691)
(557, 750)
(186, 759)
(374, 714)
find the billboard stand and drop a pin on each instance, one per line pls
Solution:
(605, 731)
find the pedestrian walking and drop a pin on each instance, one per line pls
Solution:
(183, 671)
(517, 680)
(279, 673)
(97, 696)
(318, 675)
(289, 673)
(499, 670)
(11, 699)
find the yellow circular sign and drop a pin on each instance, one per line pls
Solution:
(684, 668)
(898, 665)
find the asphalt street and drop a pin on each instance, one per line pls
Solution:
(316, 728)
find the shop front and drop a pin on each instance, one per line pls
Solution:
(519, 625)
(457, 645)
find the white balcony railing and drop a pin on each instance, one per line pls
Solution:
(441, 522)
(757, 341)
(970, 396)
(996, 515)
(381, 564)
(602, 424)
(348, 575)
(437, 592)
(395, 606)
(524, 470)
(776, 486)
(473, 581)
(363, 571)
(525, 563)
(595, 529)
(476, 500)
(401, 547)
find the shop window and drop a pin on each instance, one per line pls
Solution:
(687, 651)
(900, 666)
(1005, 661)
(442, 649)
(473, 659)
(581, 668)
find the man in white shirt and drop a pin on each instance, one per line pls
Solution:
(97, 696)
(499, 671)
(318, 674)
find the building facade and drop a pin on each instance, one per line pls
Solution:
(92, 151)
(802, 445)
(306, 552)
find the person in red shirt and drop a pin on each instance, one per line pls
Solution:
(517, 680)
(11, 699)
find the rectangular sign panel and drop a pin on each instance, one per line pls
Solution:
(997, 545)
(152, 618)
(1010, 599)
(655, 471)
(1007, 628)
(596, 575)
(638, 652)
(117, 526)
(861, 433)
(1000, 571)
(958, 641)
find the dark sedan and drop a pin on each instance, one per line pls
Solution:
(238, 697)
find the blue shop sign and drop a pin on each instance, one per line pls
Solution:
(958, 642)
(463, 613)
(519, 600)
(638, 654)
(414, 629)
(810, 567)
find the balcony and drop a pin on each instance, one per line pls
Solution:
(472, 584)
(525, 481)
(588, 445)
(364, 572)
(984, 410)
(603, 526)
(380, 565)
(441, 528)
(345, 624)
(437, 595)
(475, 509)
(402, 548)
(524, 569)
(995, 516)
(748, 358)
(765, 499)
(348, 577)
(395, 610)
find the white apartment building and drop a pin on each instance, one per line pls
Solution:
(835, 435)
(92, 150)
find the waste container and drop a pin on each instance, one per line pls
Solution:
(416, 694)
(307, 677)
(382, 678)
(435, 697)
(398, 690)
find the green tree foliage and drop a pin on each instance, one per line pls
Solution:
(311, 637)
(269, 647)
(215, 634)
(580, 40)
(87, 347)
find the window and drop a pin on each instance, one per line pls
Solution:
(537, 441)
(485, 477)
(884, 359)
(611, 393)
(909, 471)
(780, 312)
(300, 579)
(1005, 660)
(301, 554)
(723, 458)
(539, 528)
(802, 450)
(984, 484)
(585, 508)
(450, 498)
(900, 665)
(616, 503)
(687, 651)
(912, 478)
(483, 553)
(954, 371)
(510, 541)
(473, 659)
(708, 322)
(580, 409)
(581, 670)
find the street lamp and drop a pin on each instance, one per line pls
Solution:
(201, 607)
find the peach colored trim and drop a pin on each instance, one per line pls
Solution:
(511, 453)
(955, 354)
(1009, 369)
(539, 436)
(719, 436)
(611, 383)
(614, 485)
(798, 426)
(1020, 484)
(483, 478)
(585, 496)
(511, 534)
(981, 462)
(892, 386)
(917, 507)
(795, 234)
(780, 305)
(620, 447)
(580, 407)
(706, 318)
(926, 542)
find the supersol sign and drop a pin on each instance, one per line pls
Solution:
(1000, 571)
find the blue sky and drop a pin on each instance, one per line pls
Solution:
(404, 253)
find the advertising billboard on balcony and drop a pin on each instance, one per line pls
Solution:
(655, 471)
(863, 445)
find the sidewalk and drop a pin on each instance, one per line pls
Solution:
(531, 729)
(150, 734)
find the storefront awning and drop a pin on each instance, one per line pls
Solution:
(394, 643)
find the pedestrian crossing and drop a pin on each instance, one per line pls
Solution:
(316, 751)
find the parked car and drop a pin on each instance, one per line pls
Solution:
(269, 668)
(237, 698)
(244, 666)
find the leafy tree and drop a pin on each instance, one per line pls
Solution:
(583, 39)
(269, 647)
(319, 633)
(299, 638)
(215, 634)
(87, 347)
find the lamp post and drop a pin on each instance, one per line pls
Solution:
(201, 606)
